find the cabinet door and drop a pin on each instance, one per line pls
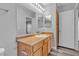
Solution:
(51, 41)
(49, 45)
(38, 52)
(45, 50)
(37, 46)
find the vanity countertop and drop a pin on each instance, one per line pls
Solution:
(33, 39)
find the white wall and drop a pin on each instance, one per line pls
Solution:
(53, 28)
(76, 28)
(22, 13)
(8, 29)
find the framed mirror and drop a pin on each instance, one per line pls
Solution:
(40, 21)
(48, 22)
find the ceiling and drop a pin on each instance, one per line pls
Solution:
(49, 6)
(30, 7)
(65, 6)
(60, 6)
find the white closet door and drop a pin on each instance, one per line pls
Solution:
(67, 31)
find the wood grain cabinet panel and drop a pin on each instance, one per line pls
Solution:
(38, 52)
(37, 46)
(45, 49)
(24, 49)
(49, 45)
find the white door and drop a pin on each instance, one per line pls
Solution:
(67, 32)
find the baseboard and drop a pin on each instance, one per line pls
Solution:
(69, 48)
(54, 48)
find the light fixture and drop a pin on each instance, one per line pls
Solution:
(37, 5)
(48, 17)
(3, 11)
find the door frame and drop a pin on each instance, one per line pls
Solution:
(57, 29)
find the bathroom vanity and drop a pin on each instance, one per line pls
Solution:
(35, 45)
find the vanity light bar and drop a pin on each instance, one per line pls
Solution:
(37, 5)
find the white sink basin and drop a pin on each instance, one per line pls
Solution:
(40, 35)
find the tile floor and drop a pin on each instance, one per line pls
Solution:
(64, 52)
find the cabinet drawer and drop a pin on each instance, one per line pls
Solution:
(38, 52)
(24, 48)
(37, 46)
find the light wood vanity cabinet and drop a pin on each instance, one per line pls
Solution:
(33, 46)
